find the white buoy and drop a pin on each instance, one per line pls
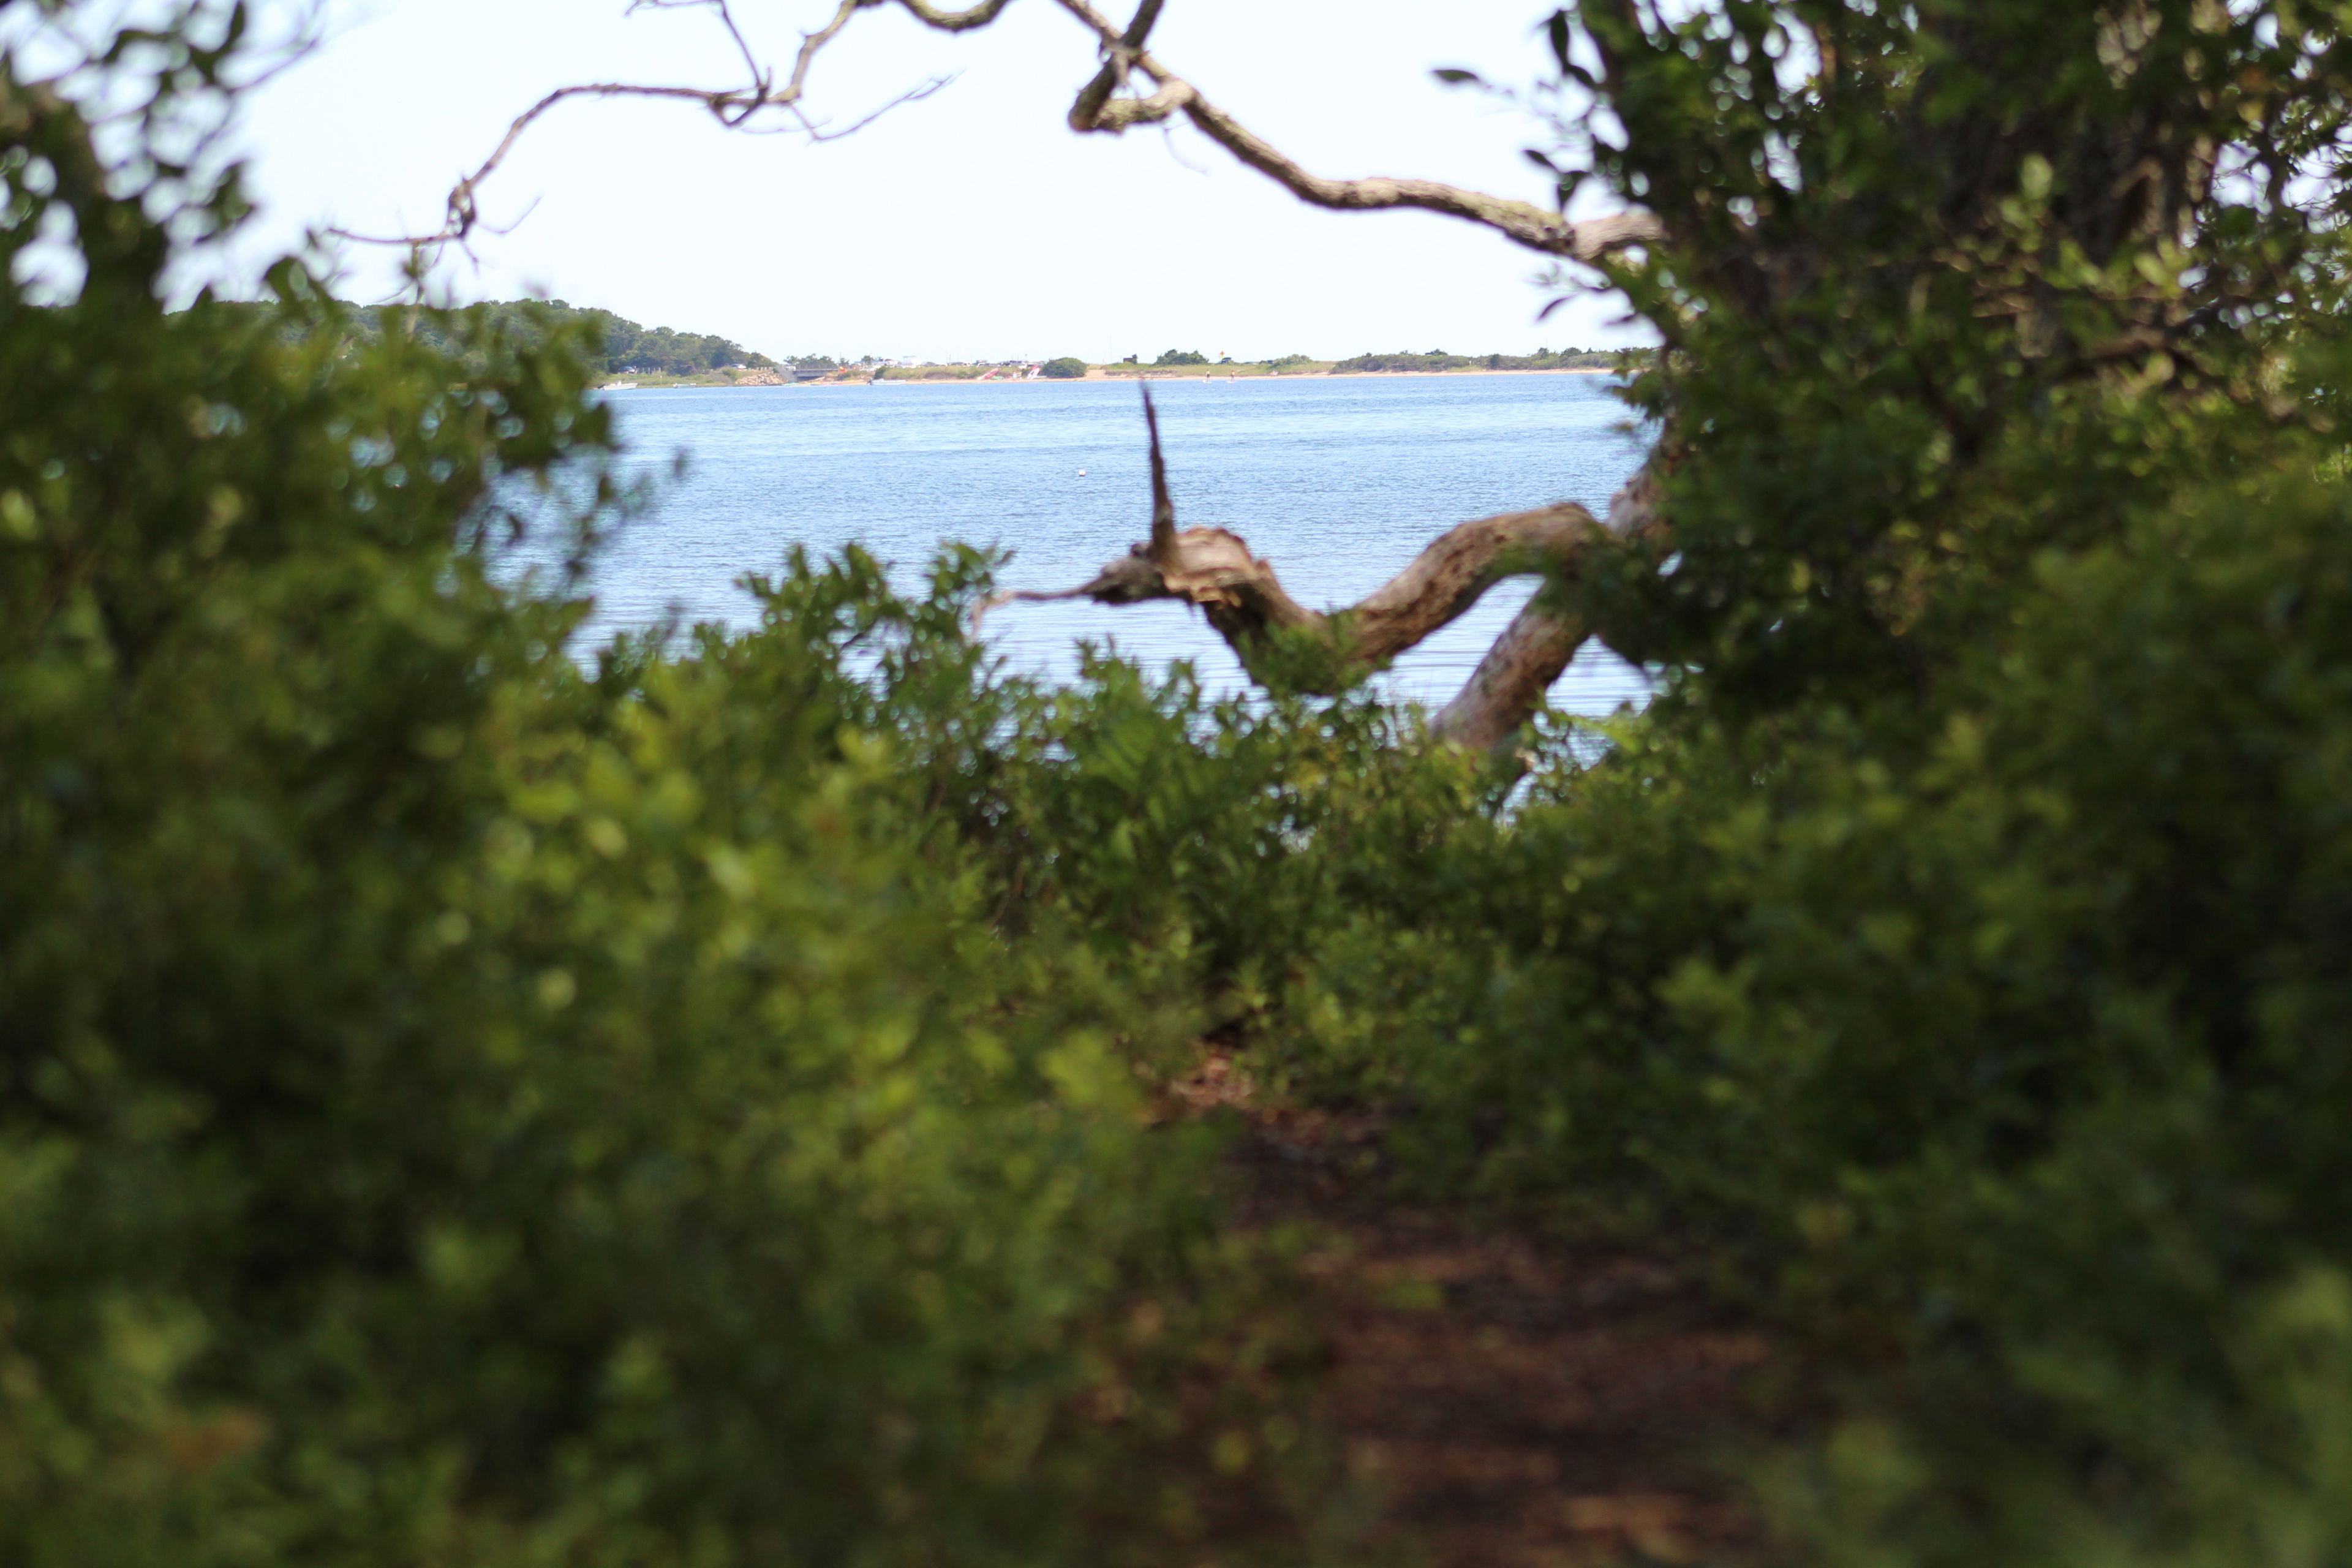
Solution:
(1082, 473)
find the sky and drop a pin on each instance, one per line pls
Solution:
(972, 224)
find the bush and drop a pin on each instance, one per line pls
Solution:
(460, 1108)
(1065, 369)
(1955, 947)
(1994, 1041)
(1182, 356)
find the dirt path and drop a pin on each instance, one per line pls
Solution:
(1517, 1402)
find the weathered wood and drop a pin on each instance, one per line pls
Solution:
(1241, 597)
(1509, 684)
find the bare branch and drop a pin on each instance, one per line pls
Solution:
(464, 215)
(817, 130)
(1523, 223)
(733, 107)
(761, 77)
(1087, 113)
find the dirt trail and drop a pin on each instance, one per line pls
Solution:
(1517, 1402)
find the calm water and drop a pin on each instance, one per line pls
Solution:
(1340, 482)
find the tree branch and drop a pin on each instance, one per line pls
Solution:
(733, 107)
(1212, 570)
(1512, 679)
(1523, 223)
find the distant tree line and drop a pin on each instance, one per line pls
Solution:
(629, 348)
(1438, 359)
(632, 349)
(1435, 359)
(648, 351)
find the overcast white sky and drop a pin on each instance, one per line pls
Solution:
(971, 225)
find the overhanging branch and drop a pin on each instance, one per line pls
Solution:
(1523, 223)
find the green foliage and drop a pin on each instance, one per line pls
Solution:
(1064, 369)
(1958, 942)
(611, 342)
(1917, 329)
(2270, 1488)
(653, 351)
(1957, 939)
(1542, 359)
(1408, 361)
(935, 371)
(460, 1108)
(1182, 356)
(1995, 1039)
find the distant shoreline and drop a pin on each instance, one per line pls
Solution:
(1098, 373)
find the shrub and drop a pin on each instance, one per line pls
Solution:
(1994, 1039)
(458, 1107)
(1065, 369)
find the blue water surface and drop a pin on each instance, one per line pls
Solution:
(1338, 481)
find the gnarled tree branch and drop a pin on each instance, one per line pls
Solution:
(1213, 570)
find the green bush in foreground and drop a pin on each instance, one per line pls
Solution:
(1995, 1043)
(455, 1107)
(1956, 950)
(2016, 1064)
